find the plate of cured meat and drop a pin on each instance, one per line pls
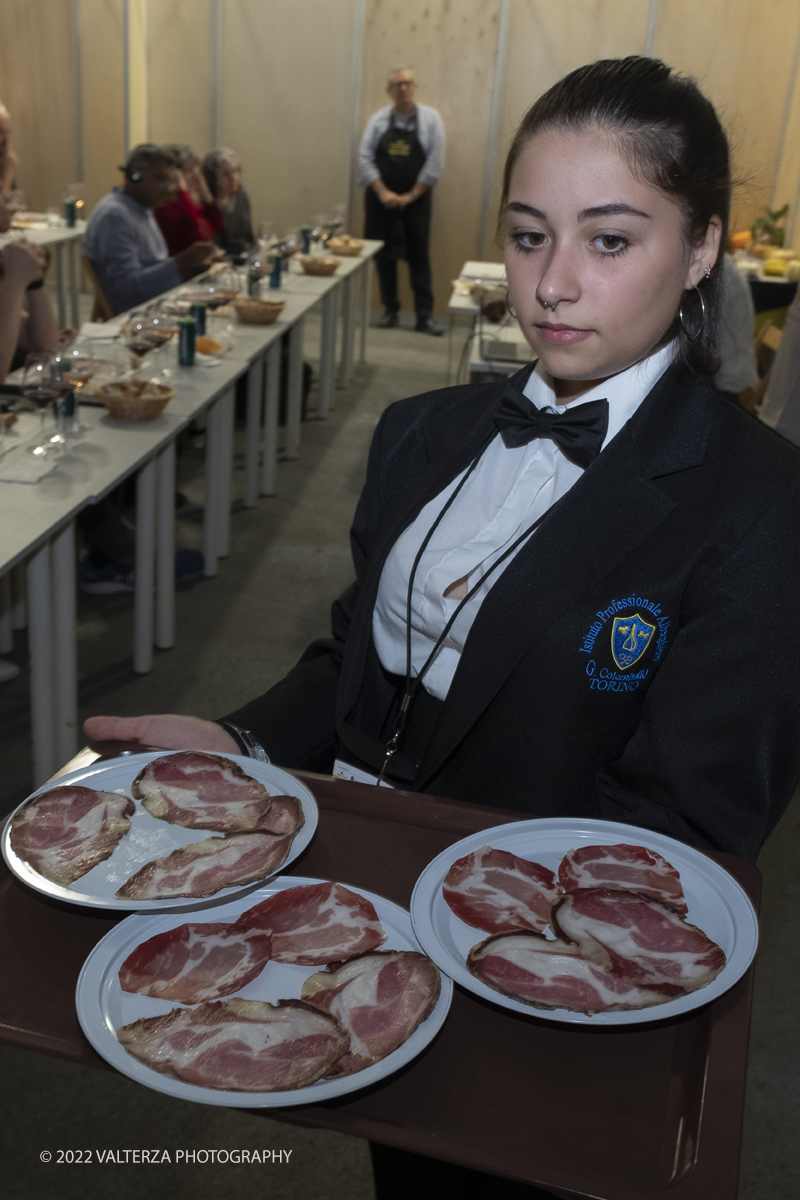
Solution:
(302, 991)
(589, 922)
(160, 831)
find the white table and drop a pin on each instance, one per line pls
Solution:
(461, 304)
(59, 237)
(39, 527)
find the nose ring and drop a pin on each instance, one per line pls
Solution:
(553, 306)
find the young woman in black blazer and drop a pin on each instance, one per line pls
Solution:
(602, 553)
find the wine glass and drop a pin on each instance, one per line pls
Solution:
(70, 369)
(39, 387)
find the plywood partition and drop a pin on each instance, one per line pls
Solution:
(285, 103)
(102, 108)
(37, 85)
(742, 54)
(453, 49)
(547, 41)
(137, 14)
(179, 72)
(291, 85)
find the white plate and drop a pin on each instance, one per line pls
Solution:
(103, 1006)
(149, 838)
(717, 904)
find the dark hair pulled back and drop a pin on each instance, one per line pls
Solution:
(672, 139)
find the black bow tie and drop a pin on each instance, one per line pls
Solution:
(579, 433)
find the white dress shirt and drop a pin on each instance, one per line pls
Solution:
(508, 490)
(430, 131)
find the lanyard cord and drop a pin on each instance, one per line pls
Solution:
(411, 690)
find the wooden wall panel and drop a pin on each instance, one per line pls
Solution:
(741, 53)
(137, 72)
(179, 72)
(286, 96)
(102, 98)
(37, 85)
(452, 46)
(546, 42)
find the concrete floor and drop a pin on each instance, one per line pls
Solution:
(238, 634)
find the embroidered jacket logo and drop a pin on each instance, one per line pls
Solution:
(630, 637)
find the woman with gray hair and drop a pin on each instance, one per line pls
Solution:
(223, 174)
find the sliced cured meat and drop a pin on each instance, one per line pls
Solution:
(497, 891)
(203, 868)
(379, 998)
(316, 923)
(284, 815)
(633, 868)
(193, 963)
(546, 974)
(638, 939)
(65, 832)
(201, 791)
(239, 1045)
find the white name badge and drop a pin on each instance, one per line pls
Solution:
(343, 770)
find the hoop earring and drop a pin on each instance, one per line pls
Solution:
(693, 334)
(508, 305)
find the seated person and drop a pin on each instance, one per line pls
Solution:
(781, 407)
(8, 156)
(737, 358)
(191, 214)
(223, 173)
(6, 214)
(27, 323)
(123, 242)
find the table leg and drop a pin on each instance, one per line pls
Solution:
(347, 332)
(210, 527)
(327, 353)
(145, 569)
(273, 391)
(366, 307)
(165, 549)
(65, 691)
(72, 248)
(62, 308)
(227, 413)
(295, 407)
(40, 642)
(19, 608)
(6, 628)
(255, 395)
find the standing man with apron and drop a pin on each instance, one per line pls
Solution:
(401, 157)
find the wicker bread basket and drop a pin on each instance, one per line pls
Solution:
(253, 311)
(135, 400)
(345, 245)
(318, 266)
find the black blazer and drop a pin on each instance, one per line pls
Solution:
(636, 661)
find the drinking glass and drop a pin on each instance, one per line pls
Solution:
(39, 387)
(70, 370)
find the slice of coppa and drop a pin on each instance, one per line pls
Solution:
(201, 791)
(632, 868)
(239, 1045)
(66, 831)
(204, 868)
(316, 923)
(554, 975)
(193, 963)
(638, 939)
(379, 998)
(498, 892)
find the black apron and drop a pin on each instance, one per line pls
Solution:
(399, 157)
